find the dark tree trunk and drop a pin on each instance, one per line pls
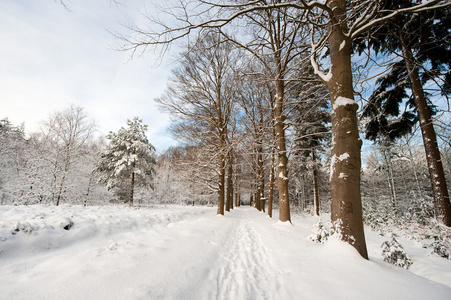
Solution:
(437, 175)
(316, 202)
(132, 187)
(230, 182)
(221, 179)
(346, 205)
(271, 184)
(282, 159)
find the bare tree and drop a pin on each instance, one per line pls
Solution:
(201, 95)
(255, 99)
(60, 144)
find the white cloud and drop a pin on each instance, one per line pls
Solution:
(51, 58)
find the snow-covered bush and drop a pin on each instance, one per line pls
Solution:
(378, 215)
(322, 233)
(442, 241)
(393, 253)
(421, 210)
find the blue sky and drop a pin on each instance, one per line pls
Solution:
(51, 57)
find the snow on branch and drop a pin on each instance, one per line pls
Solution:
(362, 27)
(323, 76)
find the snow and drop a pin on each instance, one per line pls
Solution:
(342, 101)
(343, 156)
(185, 252)
(328, 76)
(282, 176)
(343, 175)
(324, 77)
(342, 45)
(334, 160)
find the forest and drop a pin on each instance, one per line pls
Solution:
(323, 107)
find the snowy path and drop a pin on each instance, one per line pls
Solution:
(190, 253)
(246, 270)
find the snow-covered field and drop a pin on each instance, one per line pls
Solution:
(184, 252)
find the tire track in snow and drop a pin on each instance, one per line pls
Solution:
(247, 270)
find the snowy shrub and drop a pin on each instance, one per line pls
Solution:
(378, 216)
(421, 211)
(322, 233)
(442, 248)
(442, 242)
(393, 253)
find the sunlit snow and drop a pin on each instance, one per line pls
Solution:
(185, 252)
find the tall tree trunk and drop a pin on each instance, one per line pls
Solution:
(262, 181)
(346, 205)
(132, 183)
(260, 177)
(221, 181)
(132, 187)
(63, 179)
(316, 203)
(282, 159)
(230, 181)
(271, 183)
(437, 175)
(389, 168)
(60, 190)
(303, 198)
(237, 191)
(226, 192)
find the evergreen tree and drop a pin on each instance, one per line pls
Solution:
(422, 40)
(129, 159)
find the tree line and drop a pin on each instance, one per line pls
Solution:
(65, 163)
(273, 38)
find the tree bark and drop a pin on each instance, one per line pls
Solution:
(221, 180)
(230, 182)
(60, 191)
(132, 187)
(282, 159)
(260, 176)
(65, 170)
(437, 175)
(346, 205)
(316, 203)
(271, 183)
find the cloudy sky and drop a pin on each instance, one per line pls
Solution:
(51, 58)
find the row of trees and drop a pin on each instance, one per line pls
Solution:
(275, 38)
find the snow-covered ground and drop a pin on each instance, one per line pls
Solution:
(184, 252)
